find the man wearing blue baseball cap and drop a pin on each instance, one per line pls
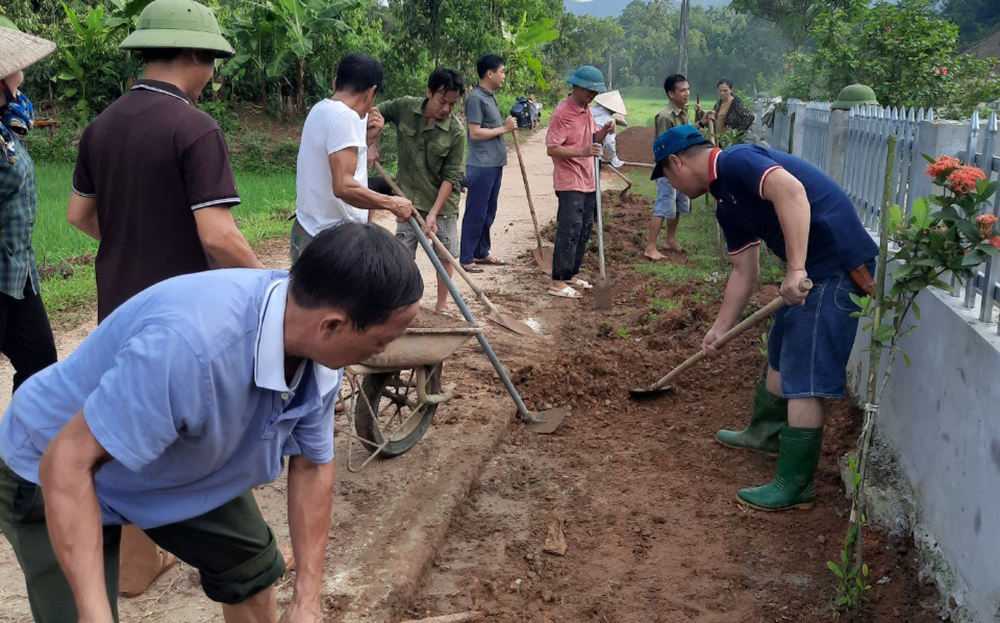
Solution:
(572, 141)
(765, 195)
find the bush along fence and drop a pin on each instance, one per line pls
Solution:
(935, 445)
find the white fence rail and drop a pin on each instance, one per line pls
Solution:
(864, 168)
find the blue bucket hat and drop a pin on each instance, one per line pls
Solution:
(588, 77)
(677, 138)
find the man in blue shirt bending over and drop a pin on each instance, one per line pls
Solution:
(180, 403)
(765, 195)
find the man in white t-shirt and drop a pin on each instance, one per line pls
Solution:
(331, 177)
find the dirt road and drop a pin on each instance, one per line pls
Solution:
(644, 496)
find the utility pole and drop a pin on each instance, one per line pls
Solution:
(682, 38)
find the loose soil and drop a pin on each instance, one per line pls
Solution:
(429, 319)
(645, 496)
(635, 144)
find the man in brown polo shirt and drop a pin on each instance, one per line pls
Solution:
(153, 184)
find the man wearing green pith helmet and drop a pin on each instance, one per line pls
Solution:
(573, 141)
(153, 184)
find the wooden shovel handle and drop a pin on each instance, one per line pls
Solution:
(440, 245)
(729, 335)
(527, 188)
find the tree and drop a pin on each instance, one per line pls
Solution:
(907, 53)
(976, 19)
(300, 23)
(583, 39)
(793, 17)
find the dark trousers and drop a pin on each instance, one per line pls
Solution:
(575, 221)
(25, 334)
(480, 211)
(232, 548)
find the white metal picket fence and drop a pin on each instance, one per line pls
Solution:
(864, 174)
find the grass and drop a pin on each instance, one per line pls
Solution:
(268, 201)
(698, 234)
(644, 102)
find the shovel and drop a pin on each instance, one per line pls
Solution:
(542, 422)
(504, 320)
(602, 289)
(662, 386)
(543, 254)
(624, 178)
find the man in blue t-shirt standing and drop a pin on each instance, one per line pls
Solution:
(764, 195)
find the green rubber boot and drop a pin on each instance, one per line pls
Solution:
(769, 414)
(793, 486)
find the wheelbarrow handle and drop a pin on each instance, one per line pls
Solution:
(522, 410)
(756, 318)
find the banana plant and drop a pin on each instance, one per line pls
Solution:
(527, 39)
(299, 23)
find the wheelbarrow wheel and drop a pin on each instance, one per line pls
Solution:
(397, 416)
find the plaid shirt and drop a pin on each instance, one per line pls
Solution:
(17, 219)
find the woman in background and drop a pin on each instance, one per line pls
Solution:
(25, 333)
(729, 113)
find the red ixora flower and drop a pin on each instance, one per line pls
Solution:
(943, 166)
(964, 179)
(944, 71)
(986, 223)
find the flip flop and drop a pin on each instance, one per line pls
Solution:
(566, 293)
(445, 312)
(580, 283)
(491, 260)
(471, 268)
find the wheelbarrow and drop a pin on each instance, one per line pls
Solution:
(396, 393)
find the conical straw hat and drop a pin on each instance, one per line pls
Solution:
(612, 100)
(19, 50)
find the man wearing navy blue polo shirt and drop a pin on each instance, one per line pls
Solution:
(765, 195)
(182, 401)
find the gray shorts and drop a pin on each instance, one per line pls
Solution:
(447, 233)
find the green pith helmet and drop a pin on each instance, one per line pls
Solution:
(178, 24)
(588, 77)
(854, 95)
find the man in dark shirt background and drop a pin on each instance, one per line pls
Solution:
(154, 186)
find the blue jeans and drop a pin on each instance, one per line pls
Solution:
(480, 211)
(810, 344)
(670, 202)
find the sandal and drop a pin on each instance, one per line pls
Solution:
(566, 293)
(445, 312)
(491, 260)
(580, 283)
(471, 268)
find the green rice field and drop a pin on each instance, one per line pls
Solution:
(644, 102)
(268, 201)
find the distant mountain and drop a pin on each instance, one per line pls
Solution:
(613, 8)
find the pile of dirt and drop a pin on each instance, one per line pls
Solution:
(641, 492)
(635, 144)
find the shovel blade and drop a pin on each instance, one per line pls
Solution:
(645, 393)
(602, 293)
(509, 322)
(545, 422)
(543, 257)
